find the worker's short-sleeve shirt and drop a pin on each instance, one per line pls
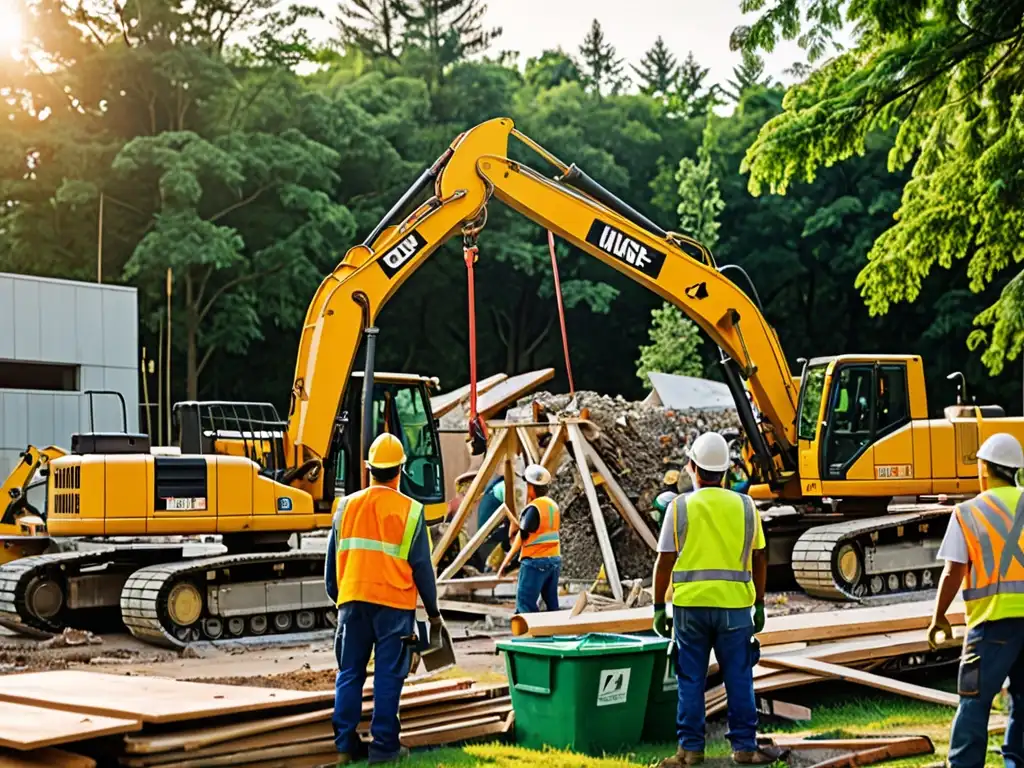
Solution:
(667, 537)
(954, 544)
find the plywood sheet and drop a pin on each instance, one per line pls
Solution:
(28, 727)
(442, 404)
(507, 392)
(48, 757)
(150, 699)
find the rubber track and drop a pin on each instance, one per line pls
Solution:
(148, 586)
(813, 551)
(15, 578)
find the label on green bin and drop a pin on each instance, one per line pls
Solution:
(613, 686)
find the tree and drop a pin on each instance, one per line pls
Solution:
(372, 26)
(602, 67)
(945, 77)
(439, 33)
(747, 75)
(552, 68)
(692, 98)
(658, 70)
(675, 339)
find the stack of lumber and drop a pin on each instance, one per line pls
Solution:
(141, 721)
(798, 649)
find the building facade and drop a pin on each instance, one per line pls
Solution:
(59, 339)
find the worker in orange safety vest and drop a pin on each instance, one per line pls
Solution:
(983, 553)
(378, 561)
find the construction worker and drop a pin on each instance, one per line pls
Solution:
(378, 560)
(491, 499)
(540, 554)
(982, 550)
(711, 552)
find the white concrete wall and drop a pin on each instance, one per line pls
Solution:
(60, 321)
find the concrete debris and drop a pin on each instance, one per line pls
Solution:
(640, 443)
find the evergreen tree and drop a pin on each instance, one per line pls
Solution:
(658, 70)
(692, 97)
(749, 74)
(372, 26)
(602, 67)
(443, 32)
(552, 68)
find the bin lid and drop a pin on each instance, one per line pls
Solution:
(590, 644)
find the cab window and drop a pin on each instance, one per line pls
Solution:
(810, 402)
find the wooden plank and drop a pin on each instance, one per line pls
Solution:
(507, 392)
(276, 738)
(463, 694)
(442, 404)
(779, 630)
(511, 451)
(611, 569)
(474, 543)
(25, 727)
(530, 445)
(205, 737)
(801, 743)
(553, 453)
(476, 609)
(471, 584)
(458, 732)
(619, 497)
(150, 699)
(258, 756)
(495, 451)
(456, 715)
(782, 709)
(770, 683)
(901, 748)
(47, 757)
(827, 669)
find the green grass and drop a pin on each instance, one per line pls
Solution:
(838, 710)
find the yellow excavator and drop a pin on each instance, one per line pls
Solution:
(828, 450)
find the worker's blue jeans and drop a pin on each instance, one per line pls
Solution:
(364, 628)
(728, 631)
(538, 577)
(993, 651)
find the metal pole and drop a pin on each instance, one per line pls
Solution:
(160, 384)
(99, 244)
(169, 280)
(371, 347)
(145, 395)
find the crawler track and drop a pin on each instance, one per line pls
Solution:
(871, 557)
(175, 603)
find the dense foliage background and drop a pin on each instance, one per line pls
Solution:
(186, 131)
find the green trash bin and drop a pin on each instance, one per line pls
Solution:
(587, 693)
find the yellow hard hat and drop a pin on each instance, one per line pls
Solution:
(386, 452)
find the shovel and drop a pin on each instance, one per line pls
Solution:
(437, 651)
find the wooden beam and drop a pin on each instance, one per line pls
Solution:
(827, 669)
(553, 453)
(619, 497)
(511, 451)
(474, 543)
(611, 569)
(531, 447)
(477, 609)
(494, 453)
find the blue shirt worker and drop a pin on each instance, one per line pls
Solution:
(540, 557)
(983, 552)
(711, 552)
(491, 499)
(378, 560)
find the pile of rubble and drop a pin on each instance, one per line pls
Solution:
(640, 443)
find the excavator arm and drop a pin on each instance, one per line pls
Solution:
(475, 168)
(18, 481)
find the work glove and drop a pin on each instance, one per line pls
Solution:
(662, 621)
(939, 625)
(758, 617)
(436, 625)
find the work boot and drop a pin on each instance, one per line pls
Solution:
(682, 757)
(762, 756)
(402, 754)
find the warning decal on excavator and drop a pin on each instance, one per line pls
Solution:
(616, 243)
(183, 504)
(893, 471)
(397, 257)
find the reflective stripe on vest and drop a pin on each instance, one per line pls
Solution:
(716, 571)
(373, 533)
(545, 541)
(994, 534)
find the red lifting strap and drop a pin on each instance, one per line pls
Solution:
(477, 428)
(561, 312)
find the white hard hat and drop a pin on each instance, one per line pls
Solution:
(711, 452)
(1002, 449)
(536, 475)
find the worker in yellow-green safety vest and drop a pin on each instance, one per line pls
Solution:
(378, 562)
(711, 552)
(983, 552)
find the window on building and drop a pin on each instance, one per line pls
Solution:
(41, 376)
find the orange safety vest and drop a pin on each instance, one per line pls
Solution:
(993, 526)
(544, 541)
(373, 532)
